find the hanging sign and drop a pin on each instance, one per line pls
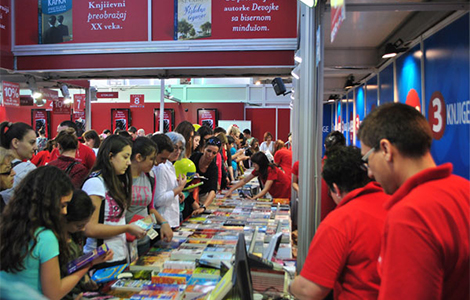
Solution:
(79, 103)
(107, 95)
(137, 101)
(11, 93)
(338, 14)
(60, 108)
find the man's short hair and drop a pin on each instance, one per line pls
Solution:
(70, 124)
(132, 129)
(219, 130)
(163, 142)
(401, 124)
(335, 138)
(247, 131)
(344, 167)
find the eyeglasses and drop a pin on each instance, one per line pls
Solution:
(213, 142)
(179, 148)
(8, 172)
(365, 158)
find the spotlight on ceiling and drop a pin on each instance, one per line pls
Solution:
(31, 81)
(332, 98)
(350, 83)
(391, 50)
(66, 94)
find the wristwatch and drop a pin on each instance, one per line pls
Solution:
(202, 206)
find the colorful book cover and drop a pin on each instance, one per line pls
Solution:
(206, 273)
(193, 19)
(55, 21)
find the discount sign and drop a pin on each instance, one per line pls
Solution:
(137, 101)
(11, 93)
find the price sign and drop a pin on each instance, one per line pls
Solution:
(79, 103)
(137, 101)
(60, 108)
(11, 93)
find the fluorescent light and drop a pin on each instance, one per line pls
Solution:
(295, 75)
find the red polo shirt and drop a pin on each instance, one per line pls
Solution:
(281, 187)
(343, 254)
(425, 250)
(84, 154)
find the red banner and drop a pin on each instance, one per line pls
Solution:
(79, 103)
(137, 101)
(11, 93)
(196, 19)
(107, 95)
(168, 120)
(120, 119)
(39, 119)
(207, 117)
(60, 108)
(338, 14)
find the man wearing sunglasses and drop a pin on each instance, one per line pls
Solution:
(425, 246)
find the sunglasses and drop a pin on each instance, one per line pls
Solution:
(214, 142)
(9, 171)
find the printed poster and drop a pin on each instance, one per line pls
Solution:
(10, 93)
(79, 119)
(120, 119)
(207, 117)
(40, 118)
(55, 21)
(168, 120)
(193, 19)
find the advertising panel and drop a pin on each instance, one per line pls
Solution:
(360, 99)
(328, 109)
(409, 78)
(40, 118)
(168, 120)
(371, 95)
(386, 85)
(55, 19)
(107, 95)
(120, 118)
(11, 93)
(338, 14)
(207, 117)
(447, 96)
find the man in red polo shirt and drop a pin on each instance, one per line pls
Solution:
(425, 247)
(343, 254)
(84, 154)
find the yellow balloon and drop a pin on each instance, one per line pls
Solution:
(196, 126)
(187, 167)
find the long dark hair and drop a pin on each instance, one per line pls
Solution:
(185, 128)
(119, 186)
(263, 163)
(36, 203)
(15, 130)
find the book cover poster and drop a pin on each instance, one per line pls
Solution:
(193, 19)
(55, 21)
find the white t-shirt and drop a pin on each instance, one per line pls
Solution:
(95, 187)
(264, 147)
(165, 201)
(21, 170)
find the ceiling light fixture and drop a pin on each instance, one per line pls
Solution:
(350, 83)
(391, 50)
(31, 81)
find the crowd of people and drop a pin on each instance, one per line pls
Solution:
(394, 225)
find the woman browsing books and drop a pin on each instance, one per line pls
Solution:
(143, 156)
(33, 235)
(110, 188)
(275, 181)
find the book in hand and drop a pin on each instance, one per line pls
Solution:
(83, 260)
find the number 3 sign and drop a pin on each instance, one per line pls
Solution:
(137, 101)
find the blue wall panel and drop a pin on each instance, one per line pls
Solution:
(409, 77)
(447, 105)
(327, 122)
(386, 85)
(371, 95)
(360, 103)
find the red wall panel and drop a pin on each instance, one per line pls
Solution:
(144, 118)
(283, 123)
(262, 120)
